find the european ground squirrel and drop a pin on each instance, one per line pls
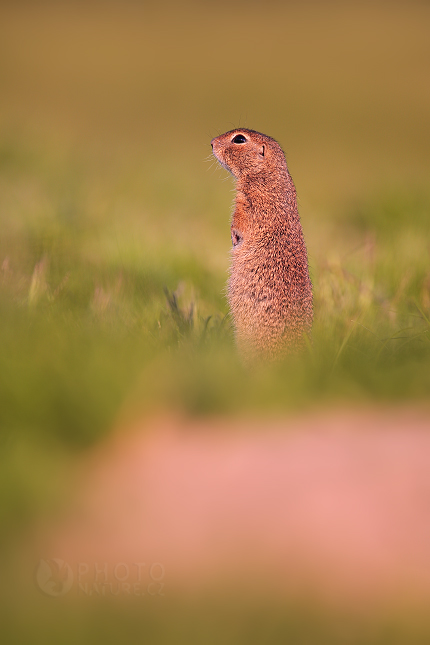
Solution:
(269, 289)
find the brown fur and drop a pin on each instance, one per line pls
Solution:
(269, 289)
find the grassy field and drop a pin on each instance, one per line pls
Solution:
(115, 225)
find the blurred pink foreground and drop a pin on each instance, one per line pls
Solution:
(336, 504)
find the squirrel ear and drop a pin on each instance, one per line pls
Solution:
(263, 150)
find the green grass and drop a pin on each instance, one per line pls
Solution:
(212, 620)
(91, 310)
(106, 307)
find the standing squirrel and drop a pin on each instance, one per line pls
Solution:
(269, 289)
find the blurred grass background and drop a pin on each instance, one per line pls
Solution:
(115, 226)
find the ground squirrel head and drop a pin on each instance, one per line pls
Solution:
(247, 153)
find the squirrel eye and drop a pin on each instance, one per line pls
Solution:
(239, 138)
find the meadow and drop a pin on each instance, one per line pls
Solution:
(114, 244)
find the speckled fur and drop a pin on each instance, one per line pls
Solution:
(269, 289)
